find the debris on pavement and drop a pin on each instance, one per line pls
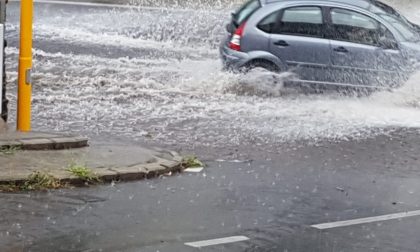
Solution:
(340, 189)
(194, 170)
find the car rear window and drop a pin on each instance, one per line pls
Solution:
(246, 11)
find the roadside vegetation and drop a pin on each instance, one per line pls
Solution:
(191, 162)
(84, 173)
(41, 181)
(9, 150)
(37, 181)
(81, 175)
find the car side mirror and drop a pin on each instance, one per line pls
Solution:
(387, 43)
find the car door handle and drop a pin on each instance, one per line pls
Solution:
(341, 49)
(281, 43)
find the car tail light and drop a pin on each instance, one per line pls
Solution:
(235, 41)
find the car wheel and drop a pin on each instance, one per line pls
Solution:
(267, 65)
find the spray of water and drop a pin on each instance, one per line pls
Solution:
(157, 73)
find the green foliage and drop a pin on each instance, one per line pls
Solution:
(83, 173)
(9, 187)
(37, 181)
(40, 181)
(192, 162)
(9, 150)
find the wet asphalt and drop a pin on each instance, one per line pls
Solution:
(271, 194)
(273, 199)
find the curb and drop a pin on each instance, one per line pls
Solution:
(131, 173)
(50, 143)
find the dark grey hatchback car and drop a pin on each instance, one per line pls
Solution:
(356, 43)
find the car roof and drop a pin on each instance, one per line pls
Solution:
(364, 4)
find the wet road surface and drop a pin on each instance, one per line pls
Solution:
(278, 162)
(271, 199)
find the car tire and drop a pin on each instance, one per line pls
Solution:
(267, 65)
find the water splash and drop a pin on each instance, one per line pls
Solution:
(261, 82)
(115, 76)
(407, 95)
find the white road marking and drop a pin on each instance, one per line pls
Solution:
(118, 6)
(366, 220)
(200, 244)
(195, 169)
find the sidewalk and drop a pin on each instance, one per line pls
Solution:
(24, 154)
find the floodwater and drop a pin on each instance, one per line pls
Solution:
(154, 74)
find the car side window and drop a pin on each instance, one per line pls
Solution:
(268, 23)
(355, 27)
(302, 21)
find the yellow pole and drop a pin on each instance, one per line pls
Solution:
(25, 66)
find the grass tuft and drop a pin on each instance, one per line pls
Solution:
(9, 150)
(191, 162)
(83, 173)
(40, 181)
(37, 181)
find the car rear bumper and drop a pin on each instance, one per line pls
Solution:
(231, 59)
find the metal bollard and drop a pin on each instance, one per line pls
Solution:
(25, 67)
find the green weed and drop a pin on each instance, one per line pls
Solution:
(83, 173)
(191, 162)
(40, 181)
(9, 150)
(37, 181)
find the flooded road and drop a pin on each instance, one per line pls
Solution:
(279, 160)
(272, 200)
(154, 74)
